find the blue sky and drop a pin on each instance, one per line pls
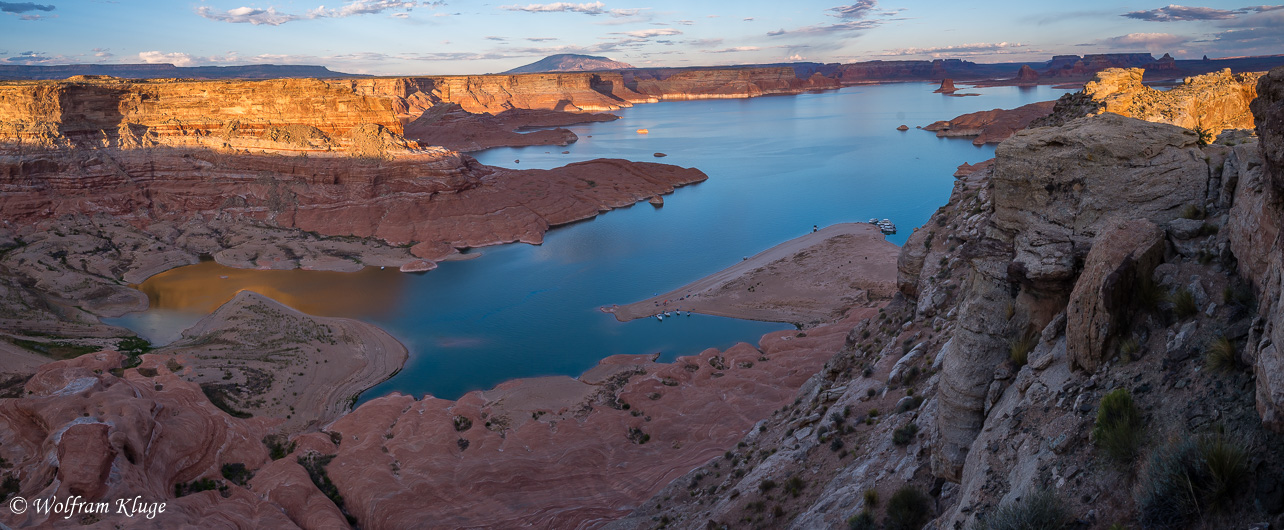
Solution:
(393, 37)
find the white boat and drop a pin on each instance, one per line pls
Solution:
(660, 318)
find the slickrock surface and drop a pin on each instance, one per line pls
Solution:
(1212, 102)
(808, 280)
(992, 126)
(561, 453)
(262, 358)
(83, 431)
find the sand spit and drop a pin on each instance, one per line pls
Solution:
(808, 280)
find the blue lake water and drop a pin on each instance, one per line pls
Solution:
(777, 165)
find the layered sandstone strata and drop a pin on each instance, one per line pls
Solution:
(991, 126)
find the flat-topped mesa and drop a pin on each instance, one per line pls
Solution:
(584, 91)
(1211, 102)
(283, 116)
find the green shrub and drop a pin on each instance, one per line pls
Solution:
(1148, 293)
(278, 446)
(1192, 212)
(1183, 304)
(236, 473)
(908, 509)
(1190, 477)
(1128, 349)
(1222, 354)
(871, 498)
(862, 521)
(905, 434)
(794, 486)
(315, 465)
(766, 485)
(1019, 348)
(1040, 511)
(1119, 428)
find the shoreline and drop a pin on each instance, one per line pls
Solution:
(800, 281)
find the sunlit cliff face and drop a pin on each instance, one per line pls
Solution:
(204, 287)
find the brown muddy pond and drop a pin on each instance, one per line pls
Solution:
(202, 288)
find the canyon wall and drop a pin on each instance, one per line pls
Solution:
(284, 115)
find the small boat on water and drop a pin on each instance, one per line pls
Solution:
(885, 225)
(660, 318)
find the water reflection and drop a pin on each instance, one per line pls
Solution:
(200, 289)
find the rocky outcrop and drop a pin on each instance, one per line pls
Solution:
(992, 126)
(246, 351)
(947, 87)
(1210, 103)
(1256, 183)
(1027, 75)
(80, 430)
(1121, 259)
(1057, 189)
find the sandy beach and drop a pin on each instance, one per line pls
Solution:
(807, 280)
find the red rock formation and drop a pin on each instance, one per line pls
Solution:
(533, 460)
(1027, 75)
(82, 431)
(449, 126)
(947, 87)
(992, 126)
(424, 196)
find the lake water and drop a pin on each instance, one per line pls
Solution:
(777, 165)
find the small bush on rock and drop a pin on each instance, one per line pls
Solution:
(1040, 511)
(1119, 427)
(908, 509)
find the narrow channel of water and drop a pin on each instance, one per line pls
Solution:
(777, 166)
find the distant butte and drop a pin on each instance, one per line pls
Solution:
(570, 62)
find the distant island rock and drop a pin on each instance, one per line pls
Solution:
(570, 62)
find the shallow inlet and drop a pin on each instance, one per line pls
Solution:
(777, 166)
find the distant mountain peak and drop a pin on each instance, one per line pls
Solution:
(570, 62)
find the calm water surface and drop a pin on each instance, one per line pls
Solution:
(777, 165)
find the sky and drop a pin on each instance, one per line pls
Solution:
(393, 37)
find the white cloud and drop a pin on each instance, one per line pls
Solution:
(175, 58)
(737, 49)
(247, 15)
(592, 8)
(959, 49)
(1147, 41)
(361, 7)
(272, 17)
(648, 33)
